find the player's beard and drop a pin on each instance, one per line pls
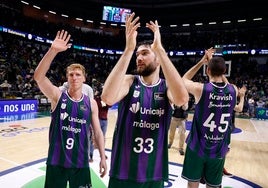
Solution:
(147, 71)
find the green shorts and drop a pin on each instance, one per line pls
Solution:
(57, 177)
(195, 167)
(116, 183)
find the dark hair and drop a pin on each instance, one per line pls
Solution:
(144, 43)
(217, 66)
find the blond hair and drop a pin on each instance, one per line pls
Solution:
(76, 66)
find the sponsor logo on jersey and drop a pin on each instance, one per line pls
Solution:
(159, 96)
(63, 105)
(63, 116)
(83, 107)
(159, 112)
(135, 107)
(144, 124)
(136, 94)
(71, 129)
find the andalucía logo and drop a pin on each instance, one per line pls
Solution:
(32, 175)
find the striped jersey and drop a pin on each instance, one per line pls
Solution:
(210, 131)
(139, 150)
(68, 141)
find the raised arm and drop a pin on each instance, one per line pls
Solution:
(45, 85)
(177, 92)
(241, 95)
(118, 82)
(224, 79)
(203, 61)
(195, 88)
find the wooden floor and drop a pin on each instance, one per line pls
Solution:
(248, 157)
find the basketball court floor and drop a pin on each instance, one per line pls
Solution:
(24, 144)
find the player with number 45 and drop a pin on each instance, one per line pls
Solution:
(210, 134)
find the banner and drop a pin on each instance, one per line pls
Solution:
(262, 113)
(18, 106)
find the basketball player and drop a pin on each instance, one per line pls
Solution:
(139, 151)
(209, 137)
(87, 90)
(72, 112)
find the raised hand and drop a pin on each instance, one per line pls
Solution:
(60, 43)
(208, 55)
(131, 31)
(242, 91)
(210, 52)
(154, 27)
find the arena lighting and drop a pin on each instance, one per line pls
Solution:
(172, 25)
(241, 21)
(185, 25)
(64, 15)
(24, 2)
(30, 37)
(37, 7)
(52, 12)
(257, 19)
(212, 23)
(228, 49)
(253, 51)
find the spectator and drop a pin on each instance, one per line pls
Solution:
(179, 118)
